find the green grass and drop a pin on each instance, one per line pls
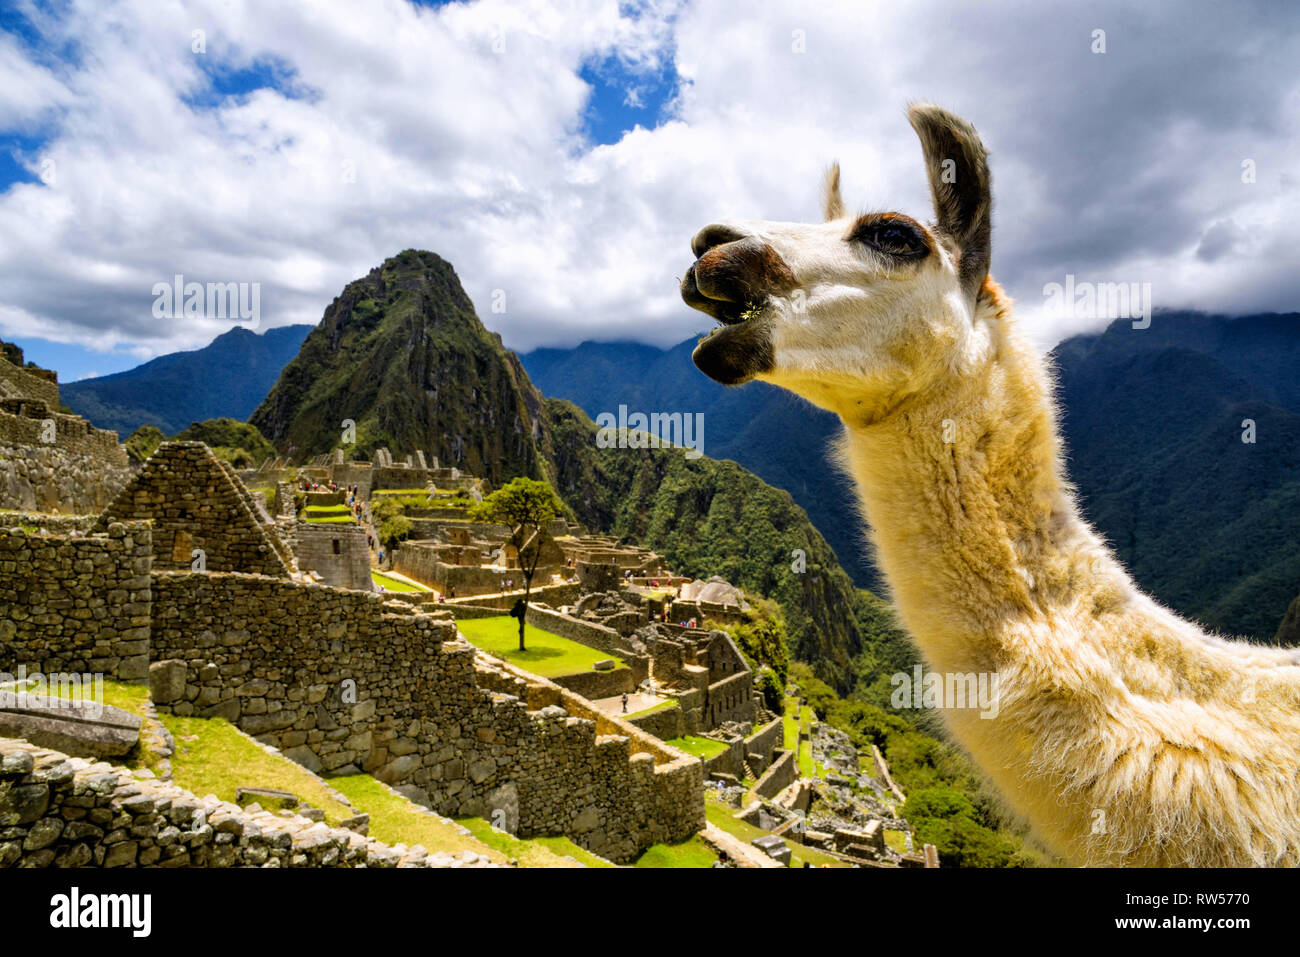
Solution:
(332, 520)
(790, 724)
(700, 747)
(897, 841)
(548, 655)
(532, 851)
(396, 820)
(213, 758)
(394, 584)
(329, 509)
(402, 491)
(661, 706)
(798, 718)
(692, 852)
(723, 817)
(118, 694)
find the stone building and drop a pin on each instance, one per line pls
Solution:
(50, 461)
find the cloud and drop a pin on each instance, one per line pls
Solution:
(463, 129)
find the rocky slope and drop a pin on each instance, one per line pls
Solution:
(401, 353)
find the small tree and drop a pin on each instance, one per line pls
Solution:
(524, 506)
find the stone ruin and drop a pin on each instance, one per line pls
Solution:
(50, 461)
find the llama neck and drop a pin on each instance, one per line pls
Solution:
(973, 526)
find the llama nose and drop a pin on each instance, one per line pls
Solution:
(715, 234)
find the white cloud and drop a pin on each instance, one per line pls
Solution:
(459, 129)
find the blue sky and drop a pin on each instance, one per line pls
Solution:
(621, 99)
(560, 153)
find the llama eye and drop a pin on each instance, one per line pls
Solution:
(892, 239)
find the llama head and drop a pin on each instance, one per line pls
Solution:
(858, 312)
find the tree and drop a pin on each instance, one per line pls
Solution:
(524, 506)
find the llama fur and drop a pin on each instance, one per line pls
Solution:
(1124, 735)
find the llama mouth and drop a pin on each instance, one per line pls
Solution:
(735, 353)
(741, 346)
(727, 305)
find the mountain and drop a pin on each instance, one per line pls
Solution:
(1152, 419)
(402, 354)
(772, 433)
(227, 377)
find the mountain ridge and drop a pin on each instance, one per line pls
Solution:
(235, 370)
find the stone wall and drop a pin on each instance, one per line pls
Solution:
(50, 461)
(80, 471)
(60, 811)
(48, 523)
(664, 724)
(420, 561)
(591, 634)
(560, 594)
(195, 503)
(76, 603)
(336, 552)
(762, 744)
(396, 476)
(598, 576)
(731, 699)
(599, 684)
(783, 772)
(339, 679)
(28, 383)
(730, 761)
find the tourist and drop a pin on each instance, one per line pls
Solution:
(625, 702)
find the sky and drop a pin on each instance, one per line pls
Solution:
(560, 154)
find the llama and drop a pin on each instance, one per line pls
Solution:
(1124, 735)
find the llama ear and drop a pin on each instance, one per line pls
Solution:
(832, 202)
(957, 165)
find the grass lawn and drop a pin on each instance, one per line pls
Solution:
(897, 841)
(723, 817)
(790, 724)
(332, 520)
(118, 694)
(692, 852)
(402, 491)
(532, 851)
(661, 706)
(395, 820)
(700, 747)
(338, 509)
(213, 758)
(548, 655)
(395, 584)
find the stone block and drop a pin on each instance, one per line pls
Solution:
(167, 680)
